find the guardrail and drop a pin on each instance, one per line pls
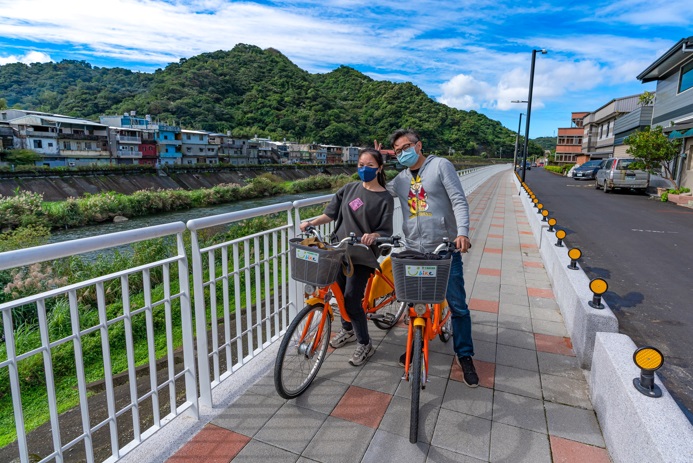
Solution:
(243, 302)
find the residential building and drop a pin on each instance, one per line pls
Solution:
(629, 124)
(673, 107)
(569, 141)
(62, 141)
(300, 153)
(166, 138)
(598, 137)
(234, 151)
(169, 141)
(197, 149)
(333, 154)
(350, 154)
(124, 144)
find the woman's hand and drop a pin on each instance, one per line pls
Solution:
(369, 238)
(305, 225)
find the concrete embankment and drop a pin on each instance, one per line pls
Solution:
(59, 188)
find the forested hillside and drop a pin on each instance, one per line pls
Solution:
(250, 91)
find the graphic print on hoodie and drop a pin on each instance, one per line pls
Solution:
(418, 199)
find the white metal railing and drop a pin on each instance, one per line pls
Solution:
(131, 323)
(243, 302)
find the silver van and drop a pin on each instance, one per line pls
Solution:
(616, 174)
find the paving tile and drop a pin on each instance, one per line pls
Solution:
(531, 264)
(494, 272)
(485, 370)
(520, 411)
(485, 351)
(439, 364)
(484, 333)
(212, 444)
(552, 315)
(281, 430)
(567, 451)
(249, 413)
(438, 455)
(482, 305)
(559, 365)
(339, 441)
(397, 418)
(477, 401)
(573, 423)
(543, 303)
(514, 323)
(525, 359)
(337, 368)
(379, 377)
(493, 250)
(259, 451)
(513, 289)
(483, 318)
(515, 445)
(461, 433)
(518, 381)
(515, 310)
(549, 327)
(432, 394)
(565, 391)
(264, 386)
(362, 406)
(391, 447)
(388, 352)
(554, 344)
(322, 395)
(516, 338)
(540, 292)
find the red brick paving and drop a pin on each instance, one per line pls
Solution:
(485, 370)
(533, 264)
(362, 406)
(483, 305)
(525, 233)
(568, 451)
(539, 292)
(211, 445)
(553, 344)
(494, 236)
(493, 250)
(494, 272)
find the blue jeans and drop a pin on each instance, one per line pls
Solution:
(457, 300)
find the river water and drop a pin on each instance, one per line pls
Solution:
(168, 217)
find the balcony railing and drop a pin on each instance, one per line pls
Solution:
(128, 154)
(75, 136)
(128, 139)
(38, 133)
(86, 153)
(243, 300)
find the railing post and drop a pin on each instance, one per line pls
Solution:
(200, 323)
(187, 331)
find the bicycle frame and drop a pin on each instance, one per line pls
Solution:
(431, 328)
(322, 296)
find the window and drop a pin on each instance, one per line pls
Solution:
(50, 145)
(200, 137)
(686, 80)
(188, 149)
(67, 145)
(38, 144)
(187, 136)
(88, 145)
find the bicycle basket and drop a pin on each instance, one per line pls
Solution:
(421, 279)
(315, 266)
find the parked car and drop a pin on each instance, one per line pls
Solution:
(616, 173)
(588, 170)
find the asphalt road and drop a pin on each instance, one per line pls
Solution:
(642, 248)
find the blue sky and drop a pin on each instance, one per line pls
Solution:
(471, 55)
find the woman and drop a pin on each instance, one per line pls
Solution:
(365, 209)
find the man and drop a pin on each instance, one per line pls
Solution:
(435, 207)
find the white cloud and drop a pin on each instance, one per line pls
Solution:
(28, 58)
(647, 12)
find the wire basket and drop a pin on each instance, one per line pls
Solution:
(315, 266)
(421, 280)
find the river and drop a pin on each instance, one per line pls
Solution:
(168, 217)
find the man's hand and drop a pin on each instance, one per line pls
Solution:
(377, 145)
(462, 243)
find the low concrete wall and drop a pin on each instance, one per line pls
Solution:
(635, 427)
(571, 288)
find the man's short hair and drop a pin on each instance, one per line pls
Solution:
(411, 135)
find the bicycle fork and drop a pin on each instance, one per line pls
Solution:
(414, 323)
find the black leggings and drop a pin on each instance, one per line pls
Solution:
(353, 289)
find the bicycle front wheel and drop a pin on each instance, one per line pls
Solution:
(302, 351)
(416, 375)
(389, 314)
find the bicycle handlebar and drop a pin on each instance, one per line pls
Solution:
(352, 239)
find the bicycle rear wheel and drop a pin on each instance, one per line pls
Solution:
(416, 375)
(446, 328)
(301, 353)
(389, 315)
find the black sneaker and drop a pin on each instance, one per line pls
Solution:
(469, 375)
(402, 359)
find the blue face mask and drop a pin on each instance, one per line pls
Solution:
(367, 173)
(408, 157)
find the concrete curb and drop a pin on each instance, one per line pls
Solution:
(571, 289)
(635, 427)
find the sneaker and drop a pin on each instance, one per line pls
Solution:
(469, 375)
(402, 359)
(361, 354)
(342, 338)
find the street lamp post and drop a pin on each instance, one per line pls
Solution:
(517, 140)
(529, 110)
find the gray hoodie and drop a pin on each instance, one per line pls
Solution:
(434, 207)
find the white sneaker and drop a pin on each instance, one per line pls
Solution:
(361, 354)
(342, 338)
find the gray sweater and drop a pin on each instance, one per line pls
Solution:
(433, 205)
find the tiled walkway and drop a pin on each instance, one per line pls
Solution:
(532, 404)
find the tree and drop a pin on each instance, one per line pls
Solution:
(653, 150)
(3, 103)
(646, 98)
(22, 157)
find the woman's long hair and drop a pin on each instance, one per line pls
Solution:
(375, 154)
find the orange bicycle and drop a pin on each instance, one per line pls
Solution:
(304, 346)
(421, 280)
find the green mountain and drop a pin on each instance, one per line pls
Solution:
(249, 91)
(546, 143)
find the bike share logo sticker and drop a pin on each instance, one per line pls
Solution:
(421, 271)
(307, 255)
